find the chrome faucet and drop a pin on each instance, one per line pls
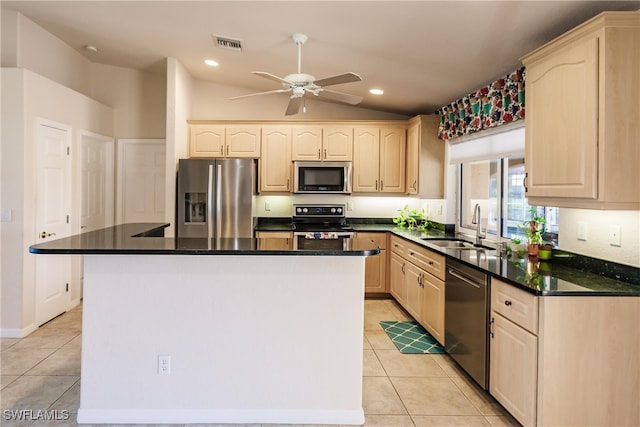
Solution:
(477, 220)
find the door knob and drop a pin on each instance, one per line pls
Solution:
(44, 235)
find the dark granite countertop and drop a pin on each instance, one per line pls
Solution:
(147, 239)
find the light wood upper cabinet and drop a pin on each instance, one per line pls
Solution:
(425, 166)
(307, 143)
(393, 147)
(207, 140)
(322, 143)
(379, 159)
(337, 143)
(275, 159)
(582, 138)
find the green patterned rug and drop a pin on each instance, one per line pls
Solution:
(410, 337)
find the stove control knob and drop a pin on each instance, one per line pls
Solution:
(305, 210)
(333, 210)
(298, 210)
(339, 210)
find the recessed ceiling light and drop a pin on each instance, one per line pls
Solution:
(90, 48)
(211, 62)
(376, 91)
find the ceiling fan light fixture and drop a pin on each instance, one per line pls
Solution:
(90, 48)
(211, 62)
(376, 91)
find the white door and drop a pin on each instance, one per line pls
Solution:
(53, 206)
(97, 193)
(141, 180)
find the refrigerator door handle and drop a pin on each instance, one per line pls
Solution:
(210, 203)
(219, 202)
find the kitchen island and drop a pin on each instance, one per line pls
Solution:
(217, 331)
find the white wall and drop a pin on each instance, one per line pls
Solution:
(598, 225)
(27, 96)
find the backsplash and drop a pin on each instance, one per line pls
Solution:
(597, 229)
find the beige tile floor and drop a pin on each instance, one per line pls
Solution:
(42, 371)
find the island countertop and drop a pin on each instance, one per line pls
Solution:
(147, 239)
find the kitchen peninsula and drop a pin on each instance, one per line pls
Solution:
(216, 330)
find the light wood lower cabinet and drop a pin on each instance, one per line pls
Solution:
(565, 360)
(415, 278)
(375, 266)
(274, 240)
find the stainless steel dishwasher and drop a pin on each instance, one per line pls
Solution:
(466, 320)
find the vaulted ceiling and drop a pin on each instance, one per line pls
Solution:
(423, 54)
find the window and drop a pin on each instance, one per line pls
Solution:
(490, 175)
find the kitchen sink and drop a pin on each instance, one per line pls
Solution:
(454, 244)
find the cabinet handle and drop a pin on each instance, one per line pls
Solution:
(287, 184)
(381, 185)
(524, 182)
(421, 280)
(319, 154)
(491, 327)
(222, 150)
(507, 303)
(227, 150)
(325, 154)
(411, 253)
(415, 183)
(403, 268)
(376, 185)
(430, 262)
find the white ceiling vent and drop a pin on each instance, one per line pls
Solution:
(228, 43)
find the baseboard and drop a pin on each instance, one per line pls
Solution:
(17, 333)
(219, 416)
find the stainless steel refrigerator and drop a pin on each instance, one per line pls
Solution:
(215, 197)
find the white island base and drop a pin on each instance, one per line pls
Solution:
(251, 339)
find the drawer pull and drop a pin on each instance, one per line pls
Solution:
(430, 262)
(411, 253)
(507, 303)
(491, 327)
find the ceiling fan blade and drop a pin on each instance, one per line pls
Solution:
(336, 80)
(271, 77)
(294, 105)
(261, 93)
(339, 96)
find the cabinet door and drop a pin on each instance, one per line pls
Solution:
(307, 143)
(561, 133)
(413, 158)
(366, 159)
(275, 240)
(243, 141)
(392, 160)
(275, 159)
(206, 141)
(433, 306)
(337, 143)
(513, 369)
(396, 278)
(374, 273)
(413, 278)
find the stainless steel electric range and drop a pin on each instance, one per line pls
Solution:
(322, 226)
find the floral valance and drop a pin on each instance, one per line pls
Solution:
(500, 102)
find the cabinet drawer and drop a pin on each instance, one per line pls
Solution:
(515, 304)
(379, 238)
(427, 260)
(398, 245)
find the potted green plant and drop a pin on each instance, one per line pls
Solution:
(532, 229)
(412, 219)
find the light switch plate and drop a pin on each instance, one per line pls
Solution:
(5, 215)
(582, 231)
(614, 235)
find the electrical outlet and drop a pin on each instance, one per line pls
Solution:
(614, 235)
(267, 206)
(349, 206)
(5, 215)
(164, 364)
(582, 231)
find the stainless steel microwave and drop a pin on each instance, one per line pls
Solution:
(322, 177)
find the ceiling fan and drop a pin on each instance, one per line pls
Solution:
(299, 84)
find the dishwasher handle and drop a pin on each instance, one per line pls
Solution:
(461, 276)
